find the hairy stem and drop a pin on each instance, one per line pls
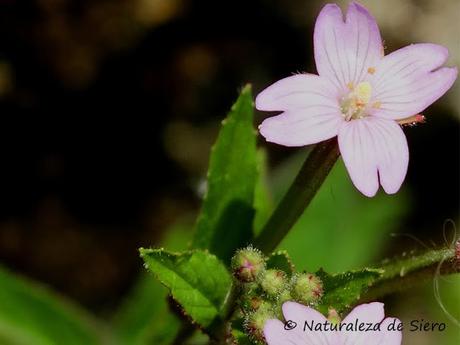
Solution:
(403, 274)
(310, 178)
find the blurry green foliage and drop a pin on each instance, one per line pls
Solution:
(32, 315)
(263, 200)
(145, 317)
(341, 229)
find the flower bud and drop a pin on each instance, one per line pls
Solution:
(273, 282)
(284, 296)
(248, 264)
(255, 322)
(251, 303)
(307, 288)
(333, 317)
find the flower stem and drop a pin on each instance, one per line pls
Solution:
(310, 178)
(403, 274)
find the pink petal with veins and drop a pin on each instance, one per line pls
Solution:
(297, 92)
(344, 50)
(410, 79)
(371, 148)
(302, 126)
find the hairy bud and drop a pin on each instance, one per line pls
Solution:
(307, 288)
(254, 322)
(248, 264)
(273, 282)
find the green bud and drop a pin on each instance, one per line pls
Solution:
(248, 264)
(284, 296)
(251, 303)
(307, 288)
(333, 317)
(255, 322)
(273, 282)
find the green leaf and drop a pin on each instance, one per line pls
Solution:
(30, 314)
(341, 291)
(281, 260)
(225, 221)
(197, 280)
(263, 200)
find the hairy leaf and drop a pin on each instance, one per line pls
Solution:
(281, 260)
(343, 290)
(197, 280)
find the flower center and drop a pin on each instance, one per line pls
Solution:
(354, 105)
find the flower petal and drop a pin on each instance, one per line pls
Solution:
(344, 51)
(356, 148)
(302, 126)
(391, 336)
(386, 333)
(275, 334)
(300, 314)
(408, 80)
(370, 312)
(367, 314)
(297, 91)
(372, 148)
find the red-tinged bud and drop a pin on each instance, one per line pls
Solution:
(255, 322)
(333, 317)
(248, 264)
(273, 282)
(251, 303)
(307, 288)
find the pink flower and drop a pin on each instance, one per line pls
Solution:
(365, 325)
(359, 96)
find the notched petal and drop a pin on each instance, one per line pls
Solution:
(410, 79)
(297, 91)
(374, 150)
(302, 126)
(345, 50)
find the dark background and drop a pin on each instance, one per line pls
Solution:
(107, 112)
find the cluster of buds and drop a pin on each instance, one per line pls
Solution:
(264, 290)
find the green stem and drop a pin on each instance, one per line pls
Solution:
(310, 178)
(403, 274)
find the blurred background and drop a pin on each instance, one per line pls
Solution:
(109, 108)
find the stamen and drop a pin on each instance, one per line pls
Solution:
(354, 105)
(371, 70)
(363, 91)
(377, 105)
